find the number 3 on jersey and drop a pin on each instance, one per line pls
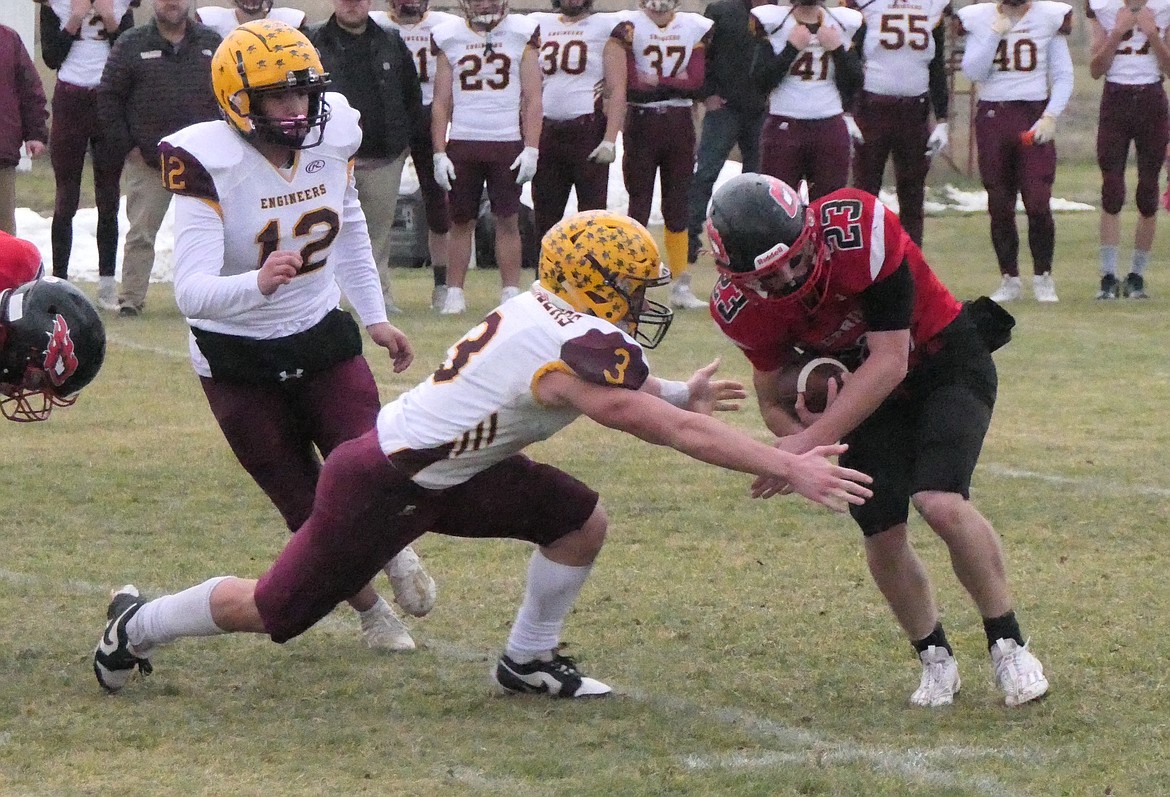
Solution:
(321, 225)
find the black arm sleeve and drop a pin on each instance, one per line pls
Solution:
(55, 43)
(888, 304)
(769, 68)
(940, 95)
(848, 74)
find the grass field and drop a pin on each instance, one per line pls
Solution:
(751, 653)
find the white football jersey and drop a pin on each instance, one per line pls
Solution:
(809, 90)
(224, 20)
(87, 55)
(665, 51)
(571, 61)
(233, 208)
(418, 41)
(899, 43)
(485, 71)
(1020, 67)
(480, 407)
(1133, 64)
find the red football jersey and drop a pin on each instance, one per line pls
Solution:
(20, 261)
(867, 244)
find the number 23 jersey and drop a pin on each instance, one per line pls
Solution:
(480, 406)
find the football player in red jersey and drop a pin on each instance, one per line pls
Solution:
(447, 456)
(842, 278)
(52, 342)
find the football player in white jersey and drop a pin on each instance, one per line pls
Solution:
(1130, 51)
(226, 19)
(812, 71)
(487, 91)
(665, 53)
(904, 56)
(269, 234)
(447, 456)
(1017, 56)
(414, 21)
(584, 107)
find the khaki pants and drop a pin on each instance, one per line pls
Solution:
(147, 201)
(378, 181)
(8, 199)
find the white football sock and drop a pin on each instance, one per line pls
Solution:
(172, 617)
(548, 596)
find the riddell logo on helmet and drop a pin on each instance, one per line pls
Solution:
(60, 358)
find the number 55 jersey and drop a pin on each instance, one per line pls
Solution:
(233, 209)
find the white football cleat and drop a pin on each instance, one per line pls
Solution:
(1018, 673)
(508, 292)
(1008, 291)
(414, 589)
(940, 679)
(382, 630)
(1044, 287)
(682, 297)
(454, 302)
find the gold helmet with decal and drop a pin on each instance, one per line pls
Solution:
(601, 263)
(269, 57)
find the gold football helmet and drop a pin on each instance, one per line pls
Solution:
(601, 263)
(269, 57)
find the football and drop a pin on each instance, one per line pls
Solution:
(810, 374)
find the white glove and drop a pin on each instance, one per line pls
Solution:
(444, 170)
(525, 165)
(854, 130)
(1002, 24)
(1044, 130)
(939, 138)
(605, 153)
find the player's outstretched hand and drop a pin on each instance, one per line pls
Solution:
(279, 268)
(720, 395)
(393, 340)
(820, 480)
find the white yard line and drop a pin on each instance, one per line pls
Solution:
(1087, 484)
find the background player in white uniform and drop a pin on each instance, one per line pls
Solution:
(904, 57)
(226, 19)
(1130, 51)
(414, 22)
(665, 68)
(584, 107)
(446, 457)
(487, 88)
(812, 74)
(1017, 55)
(269, 234)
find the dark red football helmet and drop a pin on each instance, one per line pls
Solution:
(765, 239)
(52, 344)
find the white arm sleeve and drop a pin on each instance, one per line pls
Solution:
(1060, 76)
(200, 290)
(353, 258)
(979, 54)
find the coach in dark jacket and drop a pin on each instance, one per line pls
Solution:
(375, 71)
(157, 80)
(734, 107)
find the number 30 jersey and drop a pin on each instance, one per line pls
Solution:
(233, 208)
(480, 406)
(485, 75)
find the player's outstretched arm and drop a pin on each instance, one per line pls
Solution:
(700, 393)
(706, 439)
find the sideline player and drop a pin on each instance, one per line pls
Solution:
(1017, 55)
(584, 108)
(665, 69)
(487, 89)
(841, 278)
(414, 21)
(223, 20)
(447, 457)
(52, 341)
(904, 57)
(269, 234)
(1130, 51)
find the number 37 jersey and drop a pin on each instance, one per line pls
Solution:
(480, 406)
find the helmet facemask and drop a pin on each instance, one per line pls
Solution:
(573, 8)
(659, 6)
(485, 14)
(254, 7)
(408, 11)
(293, 132)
